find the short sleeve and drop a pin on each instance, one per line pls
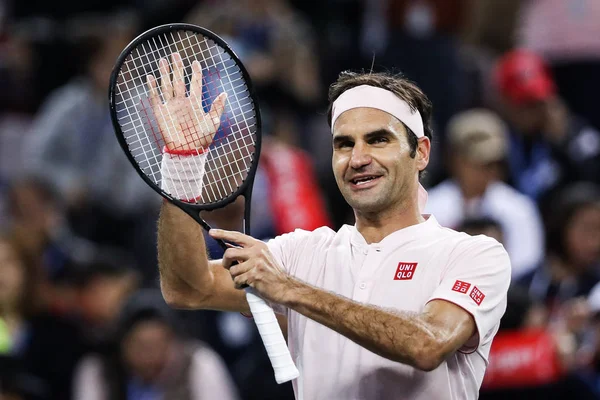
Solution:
(477, 279)
(286, 249)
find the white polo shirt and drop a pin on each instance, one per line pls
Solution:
(404, 271)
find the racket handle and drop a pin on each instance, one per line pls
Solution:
(272, 337)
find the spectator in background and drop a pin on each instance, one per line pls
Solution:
(549, 145)
(572, 264)
(37, 221)
(46, 347)
(527, 360)
(72, 145)
(482, 226)
(395, 32)
(273, 40)
(152, 360)
(477, 147)
(591, 374)
(566, 33)
(34, 216)
(102, 288)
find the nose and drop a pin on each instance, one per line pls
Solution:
(361, 156)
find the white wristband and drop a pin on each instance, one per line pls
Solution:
(182, 175)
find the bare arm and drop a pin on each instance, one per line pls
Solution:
(187, 278)
(421, 340)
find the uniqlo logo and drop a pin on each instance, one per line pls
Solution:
(477, 295)
(461, 287)
(405, 271)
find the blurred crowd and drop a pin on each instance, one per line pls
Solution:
(516, 156)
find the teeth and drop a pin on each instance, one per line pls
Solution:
(362, 180)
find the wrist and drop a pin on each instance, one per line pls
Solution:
(184, 152)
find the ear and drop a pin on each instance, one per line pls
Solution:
(423, 150)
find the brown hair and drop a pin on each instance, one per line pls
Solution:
(402, 87)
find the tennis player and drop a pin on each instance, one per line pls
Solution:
(394, 307)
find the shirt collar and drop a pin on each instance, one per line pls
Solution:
(412, 232)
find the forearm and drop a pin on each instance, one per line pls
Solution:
(185, 277)
(398, 336)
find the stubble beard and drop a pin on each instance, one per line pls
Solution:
(368, 203)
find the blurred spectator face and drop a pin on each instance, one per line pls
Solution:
(474, 177)
(525, 86)
(146, 348)
(33, 205)
(102, 296)
(583, 236)
(477, 140)
(528, 118)
(12, 276)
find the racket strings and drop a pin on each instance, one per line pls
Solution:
(231, 153)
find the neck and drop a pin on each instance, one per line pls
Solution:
(471, 192)
(374, 227)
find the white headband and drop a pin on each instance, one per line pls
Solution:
(381, 99)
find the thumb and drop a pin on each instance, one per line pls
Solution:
(216, 110)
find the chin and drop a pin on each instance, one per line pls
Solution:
(366, 206)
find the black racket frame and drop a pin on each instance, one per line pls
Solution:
(245, 188)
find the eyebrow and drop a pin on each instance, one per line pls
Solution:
(367, 136)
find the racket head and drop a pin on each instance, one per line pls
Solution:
(130, 107)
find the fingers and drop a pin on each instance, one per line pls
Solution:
(196, 83)
(232, 256)
(165, 80)
(242, 281)
(216, 110)
(154, 97)
(233, 237)
(239, 269)
(178, 75)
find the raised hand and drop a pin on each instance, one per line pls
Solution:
(183, 123)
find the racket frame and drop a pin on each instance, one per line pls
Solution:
(245, 189)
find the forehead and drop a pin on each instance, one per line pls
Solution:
(359, 121)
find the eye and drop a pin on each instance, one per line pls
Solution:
(379, 140)
(344, 144)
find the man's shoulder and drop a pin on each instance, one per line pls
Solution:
(460, 242)
(321, 235)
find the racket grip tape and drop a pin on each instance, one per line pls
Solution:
(272, 338)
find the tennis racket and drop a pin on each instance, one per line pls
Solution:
(185, 113)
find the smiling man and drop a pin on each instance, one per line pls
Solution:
(394, 307)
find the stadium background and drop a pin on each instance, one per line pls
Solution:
(516, 156)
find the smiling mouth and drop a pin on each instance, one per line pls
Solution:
(364, 180)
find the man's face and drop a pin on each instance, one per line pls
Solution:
(528, 118)
(371, 160)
